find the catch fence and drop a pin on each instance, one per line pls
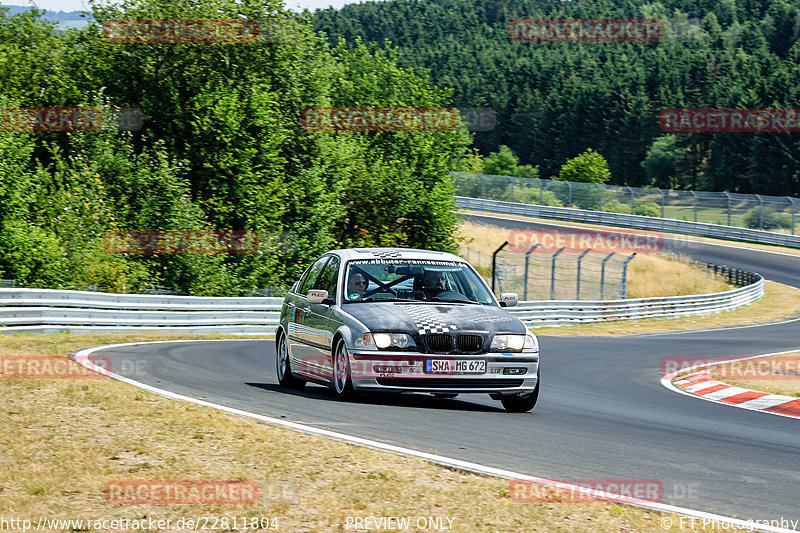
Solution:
(563, 274)
(772, 213)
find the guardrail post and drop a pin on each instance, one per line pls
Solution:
(694, 201)
(623, 287)
(603, 275)
(553, 273)
(578, 282)
(728, 196)
(760, 212)
(494, 261)
(527, 258)
(541, 191)
(630, 190)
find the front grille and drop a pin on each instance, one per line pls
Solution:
(439, 342)
(469, 343)
(454, 383)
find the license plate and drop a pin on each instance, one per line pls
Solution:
(455, 366)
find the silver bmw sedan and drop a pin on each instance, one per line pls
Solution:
(403, 320)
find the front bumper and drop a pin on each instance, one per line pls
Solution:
(405, 372)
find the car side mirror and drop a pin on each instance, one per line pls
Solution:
(508, 299)
(317, 296)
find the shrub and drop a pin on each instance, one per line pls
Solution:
(533, 196)
(583, 195)
(772, 219)
(615, 206)
(33, 256)
(647, 209)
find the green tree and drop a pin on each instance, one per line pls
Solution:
(588, 167)
(664, 158)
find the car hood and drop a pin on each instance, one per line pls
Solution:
(423, 318)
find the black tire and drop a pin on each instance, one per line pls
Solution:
(445, 395)
(342, 382)
(283, 366)
(522, 404)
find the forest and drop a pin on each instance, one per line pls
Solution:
(212, 140)
(554, 100)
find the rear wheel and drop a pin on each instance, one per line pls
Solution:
(284, 368)
(342, 382)
(524, 403)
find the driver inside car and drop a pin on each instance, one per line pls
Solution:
(434, 283)
(356, 286)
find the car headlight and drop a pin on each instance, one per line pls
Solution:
(393, 340)
(365, 341)
(508, 343)
(531, 343)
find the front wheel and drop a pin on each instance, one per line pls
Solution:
(284, 368)
(521, 404)
(342, 382)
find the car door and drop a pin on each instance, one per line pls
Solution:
(298, 333)
(320, 322)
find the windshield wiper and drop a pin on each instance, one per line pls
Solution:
(455, 301)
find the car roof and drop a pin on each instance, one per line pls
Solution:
(395, 253)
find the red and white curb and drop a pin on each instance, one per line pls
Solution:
(666, 522)
(700, 384)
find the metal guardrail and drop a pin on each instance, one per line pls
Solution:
(745, 210)
(52, 311)
(566, 312)
(109, 300)
(664, 225)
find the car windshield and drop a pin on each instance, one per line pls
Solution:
(413, 280)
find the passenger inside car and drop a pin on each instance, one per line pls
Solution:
(356, 286)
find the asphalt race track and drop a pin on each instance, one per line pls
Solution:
(602, 413)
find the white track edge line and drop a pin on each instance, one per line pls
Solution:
(81, 357)
(666, 381)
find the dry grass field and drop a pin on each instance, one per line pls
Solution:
(649, 275)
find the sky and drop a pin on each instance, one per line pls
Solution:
(78, 5)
